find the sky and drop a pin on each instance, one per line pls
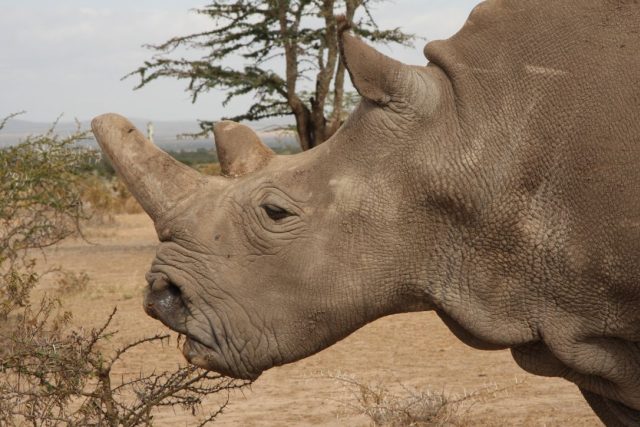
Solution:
(69, 56)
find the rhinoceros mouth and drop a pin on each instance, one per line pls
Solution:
(197, 353)
(166, 302)
(206, 357)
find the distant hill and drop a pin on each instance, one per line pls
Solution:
(165, 133)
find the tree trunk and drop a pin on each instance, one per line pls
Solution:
(312, 125)
(304, 126)
(324, 129)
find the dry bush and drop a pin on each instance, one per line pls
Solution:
(104, 197)
(53, 375)
(412, 407)
(40, 205)
(50, 373)
(98, 199)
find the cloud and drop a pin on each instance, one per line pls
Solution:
(69, 55)
(93, 12)
(60, 57)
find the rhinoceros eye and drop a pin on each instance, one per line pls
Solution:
(276, 213)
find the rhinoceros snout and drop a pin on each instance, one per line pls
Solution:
(163, 301)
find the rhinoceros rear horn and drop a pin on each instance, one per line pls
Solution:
(240, 150)
(155, 179)
(375, 76)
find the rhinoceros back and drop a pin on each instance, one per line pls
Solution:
(549, 91)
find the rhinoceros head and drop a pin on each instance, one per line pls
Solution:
(282, 256)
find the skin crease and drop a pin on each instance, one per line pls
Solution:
(497, 186)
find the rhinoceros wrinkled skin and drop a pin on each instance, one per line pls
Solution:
(498, 186)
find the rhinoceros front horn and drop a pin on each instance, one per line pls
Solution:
(156, 180)
(240, 150)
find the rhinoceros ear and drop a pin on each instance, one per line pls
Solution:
(240, 150)
(375, 76)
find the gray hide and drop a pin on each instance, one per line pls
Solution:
(498, 186)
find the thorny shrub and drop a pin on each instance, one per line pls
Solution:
(50, 372)
(55, 375)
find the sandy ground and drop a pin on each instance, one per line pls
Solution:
(403, 352)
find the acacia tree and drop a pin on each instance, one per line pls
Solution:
(303, 32)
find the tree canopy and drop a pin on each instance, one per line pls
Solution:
(302, 32)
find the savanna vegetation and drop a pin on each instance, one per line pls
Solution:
(51, 372)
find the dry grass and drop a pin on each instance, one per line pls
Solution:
(407, 406)
(70, 282)
(209, 168)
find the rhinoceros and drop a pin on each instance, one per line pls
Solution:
(498, 186)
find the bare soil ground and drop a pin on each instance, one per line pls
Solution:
(404, 351)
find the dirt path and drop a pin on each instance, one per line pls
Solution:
(411, 351)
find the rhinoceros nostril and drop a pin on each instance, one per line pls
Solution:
(170, 297)
(174, 290)
(163, 298)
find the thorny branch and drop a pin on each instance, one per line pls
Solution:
(50, 375)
